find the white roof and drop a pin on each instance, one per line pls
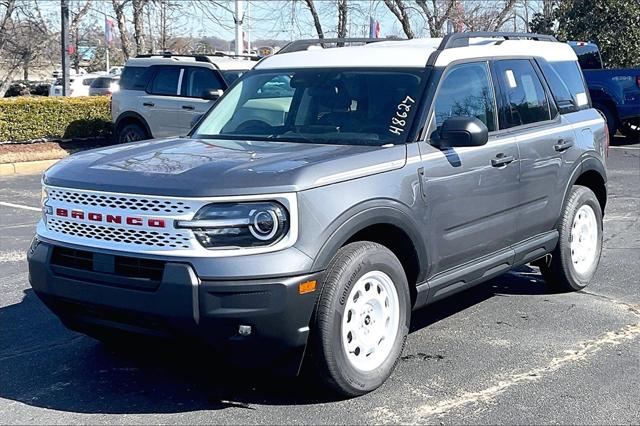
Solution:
(415, 53)
(221, 62)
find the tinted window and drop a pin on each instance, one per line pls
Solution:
(165, 81)
(101, 83)
(197, 80)
(466, 91)
(323, 106)
(524, 96)
(134, 78)
(559, 89)
(88, 81)
(588, 56)
(571, 75)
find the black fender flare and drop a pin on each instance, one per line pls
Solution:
(363, 215)
(133, 115)
(586, 163)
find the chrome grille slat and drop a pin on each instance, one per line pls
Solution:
(127, 236)
(118, 201)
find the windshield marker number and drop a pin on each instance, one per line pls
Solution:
(398, 122)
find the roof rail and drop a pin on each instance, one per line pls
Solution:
(462, 39)
(299, 45)
(198, 57)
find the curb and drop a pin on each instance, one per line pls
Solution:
(26, 167)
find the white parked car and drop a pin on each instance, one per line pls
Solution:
(162, 95)
(78, 85)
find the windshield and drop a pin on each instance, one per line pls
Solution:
(348, 107)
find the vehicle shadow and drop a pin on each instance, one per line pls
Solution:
(44, 365)
(621, 140)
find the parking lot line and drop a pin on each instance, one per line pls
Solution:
(20, 206)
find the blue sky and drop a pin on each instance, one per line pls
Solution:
(280, 19)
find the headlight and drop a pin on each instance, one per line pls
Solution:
(237, 225)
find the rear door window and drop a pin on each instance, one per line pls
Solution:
(135, 78)
(466, 91)
(524, 97)
(197, 80)
(165, 81)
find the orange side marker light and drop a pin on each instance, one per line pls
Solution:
(307, 287)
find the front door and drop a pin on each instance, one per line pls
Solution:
(471, 192)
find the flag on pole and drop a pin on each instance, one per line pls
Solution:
(374, 28)
(108, 31)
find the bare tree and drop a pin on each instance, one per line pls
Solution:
(138, 25)
(437, 15)
(342, 18)
(118, 9)
(316, 18)
(9, 7)
(74, 31)
(399, 9)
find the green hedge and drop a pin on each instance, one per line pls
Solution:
(26, 118)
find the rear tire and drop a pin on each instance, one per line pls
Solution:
(631, 130)
(132, 132)
(361, 320)
(576, 257)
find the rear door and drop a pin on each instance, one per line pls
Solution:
(162, 100)
(471, 192)
(545, 140)
(195, 82)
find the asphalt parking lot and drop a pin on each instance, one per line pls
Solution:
(508, 351)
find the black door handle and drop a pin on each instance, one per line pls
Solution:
(189, 107)
(563, 145)
(149, 104)
(501, 160)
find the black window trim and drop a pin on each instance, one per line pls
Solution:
(553, 120)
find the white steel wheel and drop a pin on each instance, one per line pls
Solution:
(584, 239)
(370, 321)
(577, 253)
(361, 320)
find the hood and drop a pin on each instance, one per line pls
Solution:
(215, 167)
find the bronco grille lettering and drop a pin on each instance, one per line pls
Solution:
(111, 218)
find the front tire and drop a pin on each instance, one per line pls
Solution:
(361, 319)
(132, 132)
(576, 257)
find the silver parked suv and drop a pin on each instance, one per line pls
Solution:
(328, 194)
(161, 95)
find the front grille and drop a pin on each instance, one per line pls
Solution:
(119, 201)
(122, 266)
(133, 237)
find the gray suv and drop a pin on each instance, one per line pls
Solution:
(328, 194)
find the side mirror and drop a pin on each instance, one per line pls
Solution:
(462, 131)
(211, 94)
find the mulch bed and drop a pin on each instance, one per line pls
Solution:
(46, 150)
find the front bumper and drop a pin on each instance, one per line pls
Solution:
(89, 295)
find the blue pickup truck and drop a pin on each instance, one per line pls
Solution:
(615, 92)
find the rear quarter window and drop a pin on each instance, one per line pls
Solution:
(571, 75)
(135, 78)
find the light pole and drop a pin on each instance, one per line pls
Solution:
(64, 40)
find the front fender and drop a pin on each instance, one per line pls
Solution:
(365, 214)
